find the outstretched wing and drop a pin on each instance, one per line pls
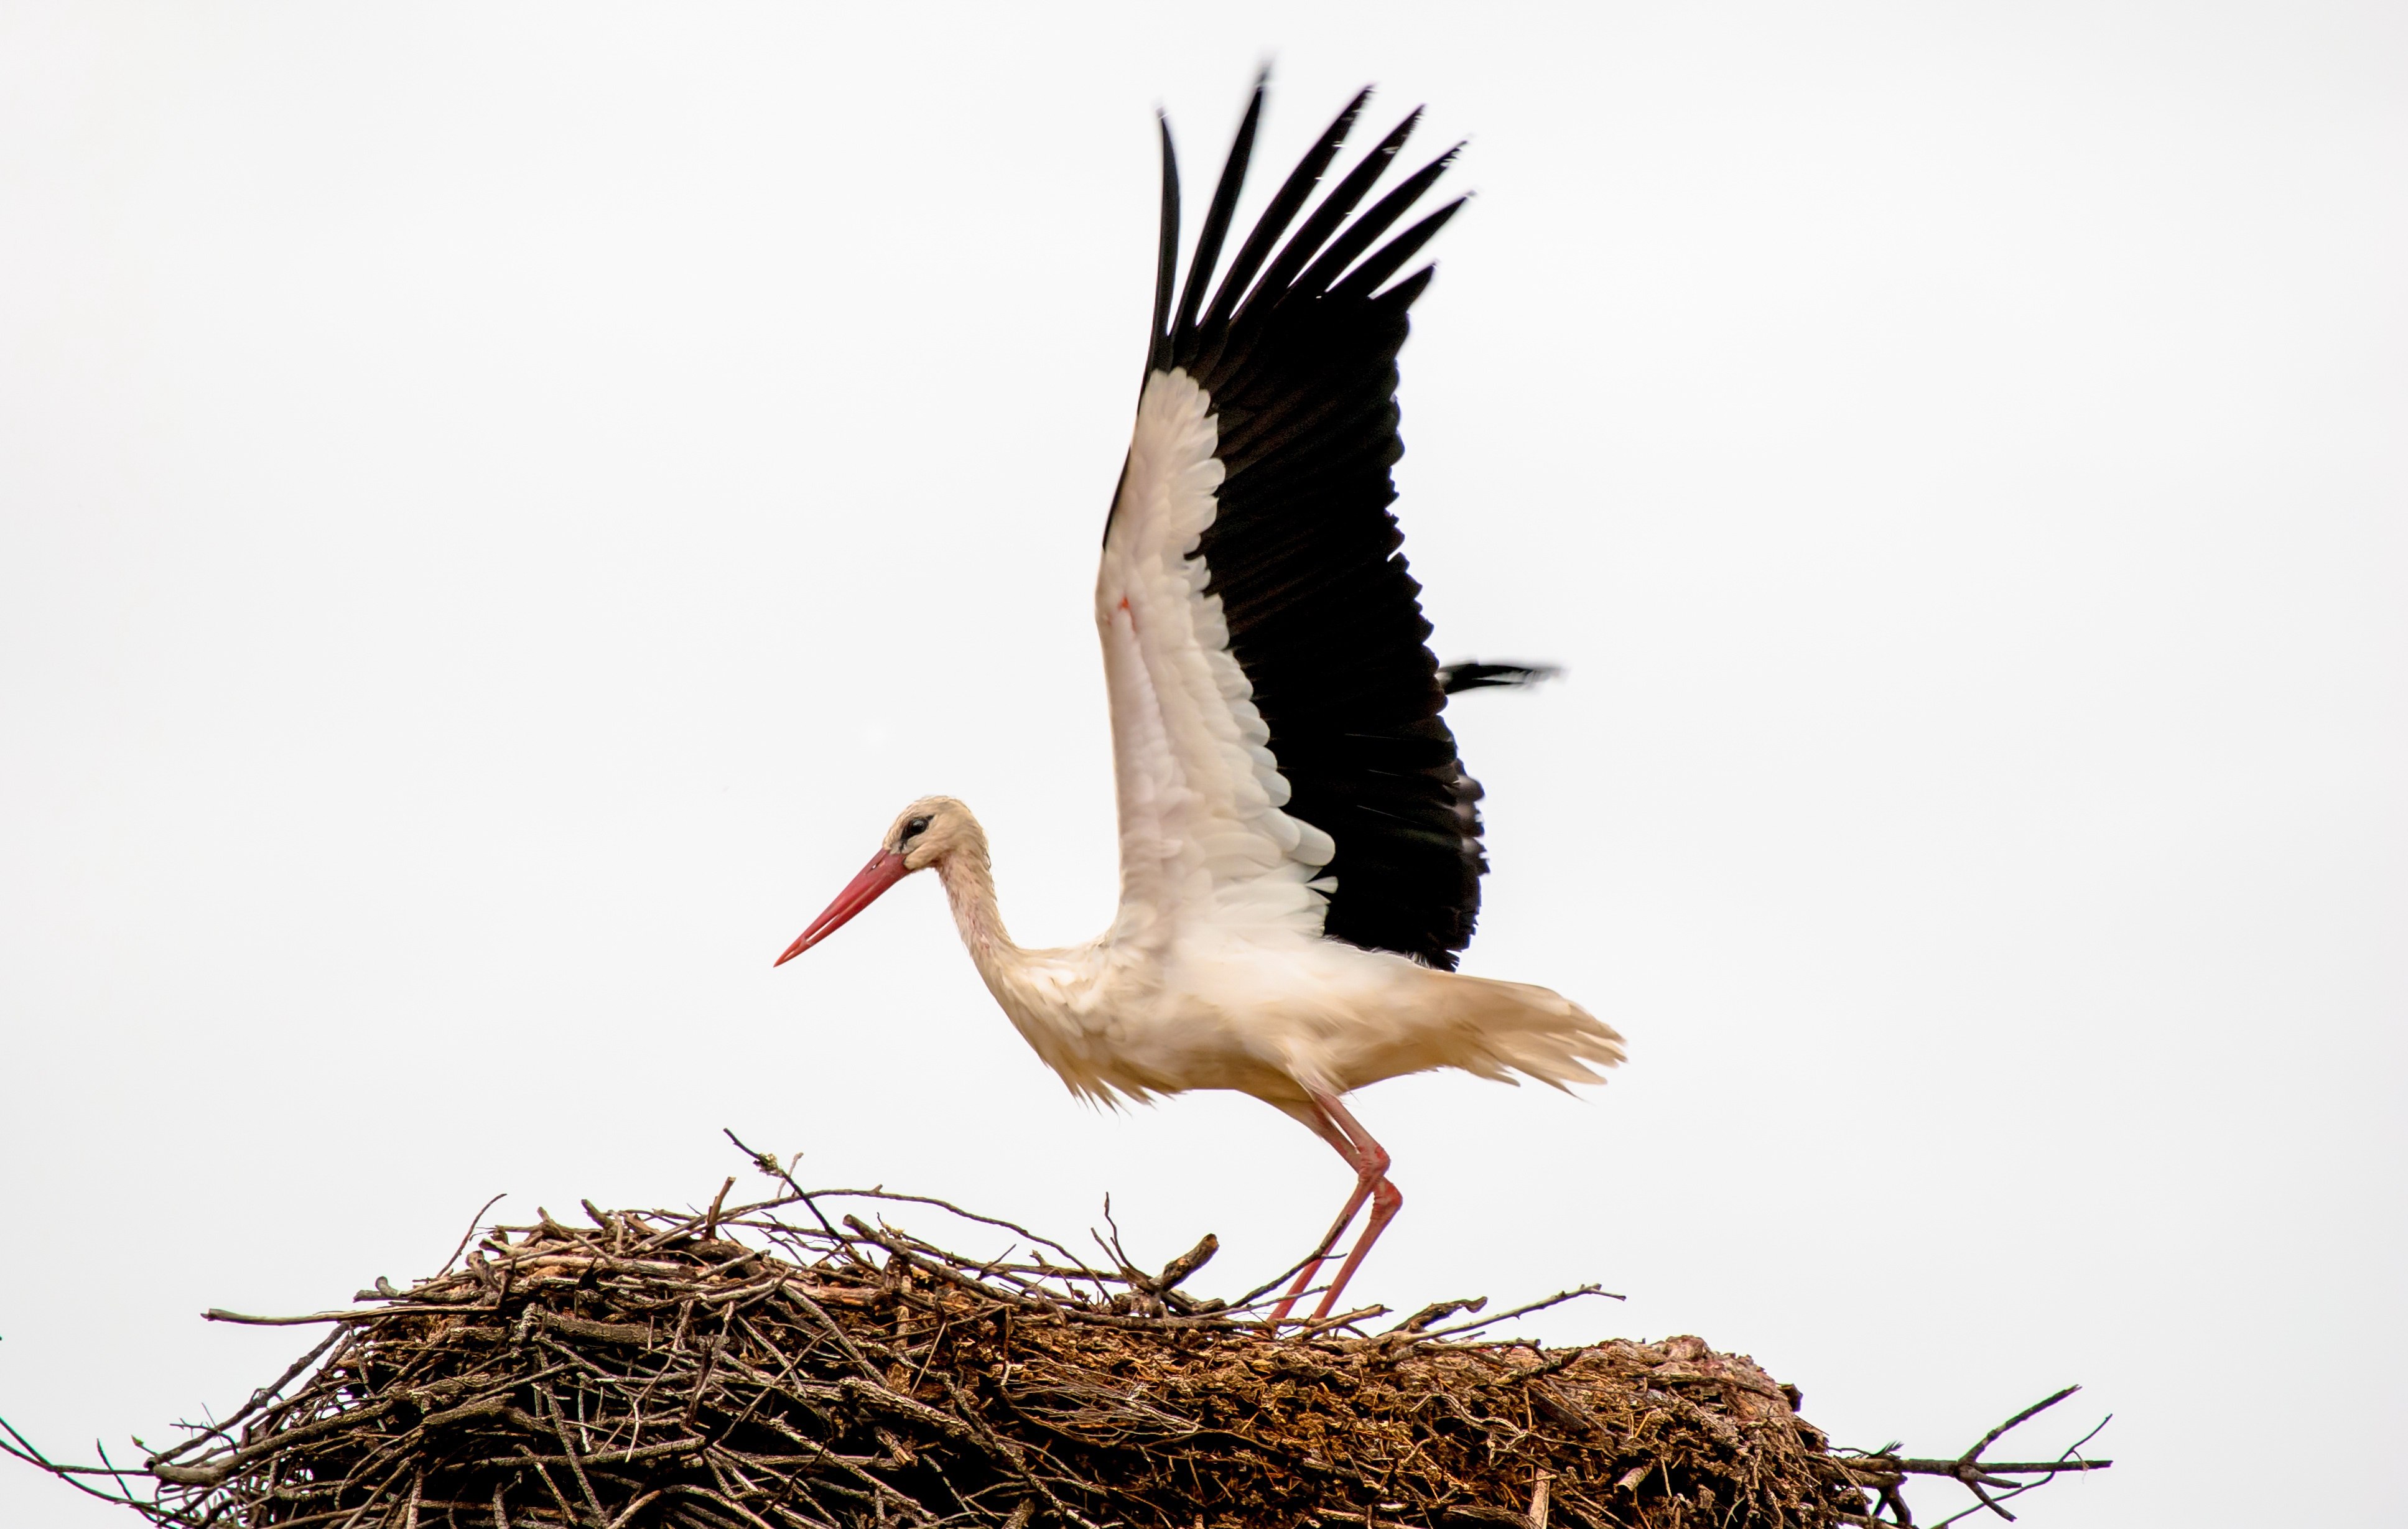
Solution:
(1275, 708)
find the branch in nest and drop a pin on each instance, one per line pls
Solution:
(1992, 1482)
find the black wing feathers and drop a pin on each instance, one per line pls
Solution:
(1471, 674)
(1390, 258)
(1216, 217)
(1304, 554)
(1282, 211)
(1166, 266)
(1359, 236)
(1341, 200)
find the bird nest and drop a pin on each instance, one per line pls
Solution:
(763, 1366)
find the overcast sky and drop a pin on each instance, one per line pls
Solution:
(500, 505)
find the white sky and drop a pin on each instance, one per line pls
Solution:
(499, 505)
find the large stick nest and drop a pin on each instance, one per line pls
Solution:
(731, 1369)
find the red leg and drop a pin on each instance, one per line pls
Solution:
(1319, 1120)
(1385, 1200)
(1331, 1121)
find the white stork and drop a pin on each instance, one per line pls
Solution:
(1301, 855)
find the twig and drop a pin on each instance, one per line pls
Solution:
(710, 1218)
(771, 1166)
(260, 1397)
(468, 1236)
(951, 1208)
(1558, 1298)
(1884, 1470)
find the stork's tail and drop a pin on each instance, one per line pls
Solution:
(1503, 1028)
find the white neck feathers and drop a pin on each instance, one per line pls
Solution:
(969, 887)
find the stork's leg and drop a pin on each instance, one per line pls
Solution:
(1385, 1200)
(1332, 1122)
(1316, 1117)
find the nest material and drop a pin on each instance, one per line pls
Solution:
(731, 1369)
(734, 1369)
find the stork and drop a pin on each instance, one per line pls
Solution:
(1300, 846)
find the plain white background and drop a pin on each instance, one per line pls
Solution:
(499, 505)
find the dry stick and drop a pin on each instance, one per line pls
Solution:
(1179, 1268)
(951, 1208)
(216, 1469)
(689, 1224)
(25, 1452)
(102, 1450)
(1975, 1474)
(627, 1512)
(466, 1236)
(1119, 1255)
(1434, 1311)
(710, 1218)
(1264, 1290)
(843, 1340)
(377, 1314)
(1969, 1467)
(1988, 1468)
(1101, 1319)
(711, 1347)
(769, 1165)
(567, 1514)
(1306, 1329)
(1098, 1278)
(2018, 1420)
(1992, 1503)
(1562, 1362)
(1558, 1298)
(374, 1493)
(258, 1398)
(878, 1491)
(720, 1498)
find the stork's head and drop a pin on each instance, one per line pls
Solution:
(927, 833)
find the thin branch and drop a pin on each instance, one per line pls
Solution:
(1992, 1482)
(470, 1236)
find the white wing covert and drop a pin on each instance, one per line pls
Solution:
(1202, 830)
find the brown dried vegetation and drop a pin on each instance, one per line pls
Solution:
(730, 1368)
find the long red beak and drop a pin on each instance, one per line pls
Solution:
(884, 869)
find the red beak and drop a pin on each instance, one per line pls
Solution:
(884, 869)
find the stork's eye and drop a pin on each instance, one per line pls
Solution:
(917, 827)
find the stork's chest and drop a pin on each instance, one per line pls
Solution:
(1129, 1026)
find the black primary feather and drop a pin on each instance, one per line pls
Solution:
(1304, 554)
(1166, 265)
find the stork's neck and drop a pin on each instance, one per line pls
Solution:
(970, 886)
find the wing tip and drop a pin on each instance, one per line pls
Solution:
(1473, 674)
